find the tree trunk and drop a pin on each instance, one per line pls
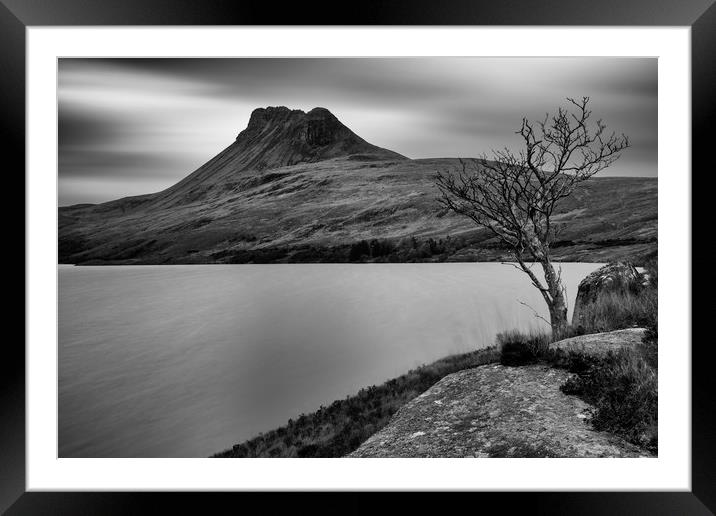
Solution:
(558, 304)
(553, 293)
(558, 316)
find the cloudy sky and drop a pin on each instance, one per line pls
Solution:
(134, 126)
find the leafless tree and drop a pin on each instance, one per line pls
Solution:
(514, 194)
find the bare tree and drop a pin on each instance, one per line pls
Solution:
(514, 195)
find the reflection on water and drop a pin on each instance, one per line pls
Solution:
(184, 361)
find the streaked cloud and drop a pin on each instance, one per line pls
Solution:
(131, 126)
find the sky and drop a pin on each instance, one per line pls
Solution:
(136, 126)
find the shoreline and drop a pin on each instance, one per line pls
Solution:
(346, 425)
(637, 253)
(339, 428)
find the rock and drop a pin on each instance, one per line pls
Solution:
(496, 411)
(613, 277)
(599, 344)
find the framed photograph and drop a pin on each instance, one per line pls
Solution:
(413, 250)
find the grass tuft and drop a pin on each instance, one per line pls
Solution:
(518, 349)
(618, 310)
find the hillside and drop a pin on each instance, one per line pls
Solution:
(302, 187)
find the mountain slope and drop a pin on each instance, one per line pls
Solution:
(275, 137)
(300, 186)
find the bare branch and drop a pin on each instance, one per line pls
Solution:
(536, 314)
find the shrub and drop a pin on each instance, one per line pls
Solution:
(359, 250)
(623, 389)
(517, 349)
(573, 361)
(650, 345)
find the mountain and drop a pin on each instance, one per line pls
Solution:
(303, 187)
(275, 137)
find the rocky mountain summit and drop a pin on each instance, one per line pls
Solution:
(278, 137)
(499, 411)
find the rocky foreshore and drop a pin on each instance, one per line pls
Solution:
(499, 411)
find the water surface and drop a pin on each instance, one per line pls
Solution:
(185, 361)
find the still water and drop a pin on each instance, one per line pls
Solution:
(185, 361)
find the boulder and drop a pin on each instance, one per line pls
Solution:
(613, 277)
(496, 411)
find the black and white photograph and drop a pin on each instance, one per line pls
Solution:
(429, 257)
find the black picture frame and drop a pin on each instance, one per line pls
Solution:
(17, 15)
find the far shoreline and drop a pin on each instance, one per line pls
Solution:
(639, 253)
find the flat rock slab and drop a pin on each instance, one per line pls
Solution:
(496, 411)
(597, 344)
